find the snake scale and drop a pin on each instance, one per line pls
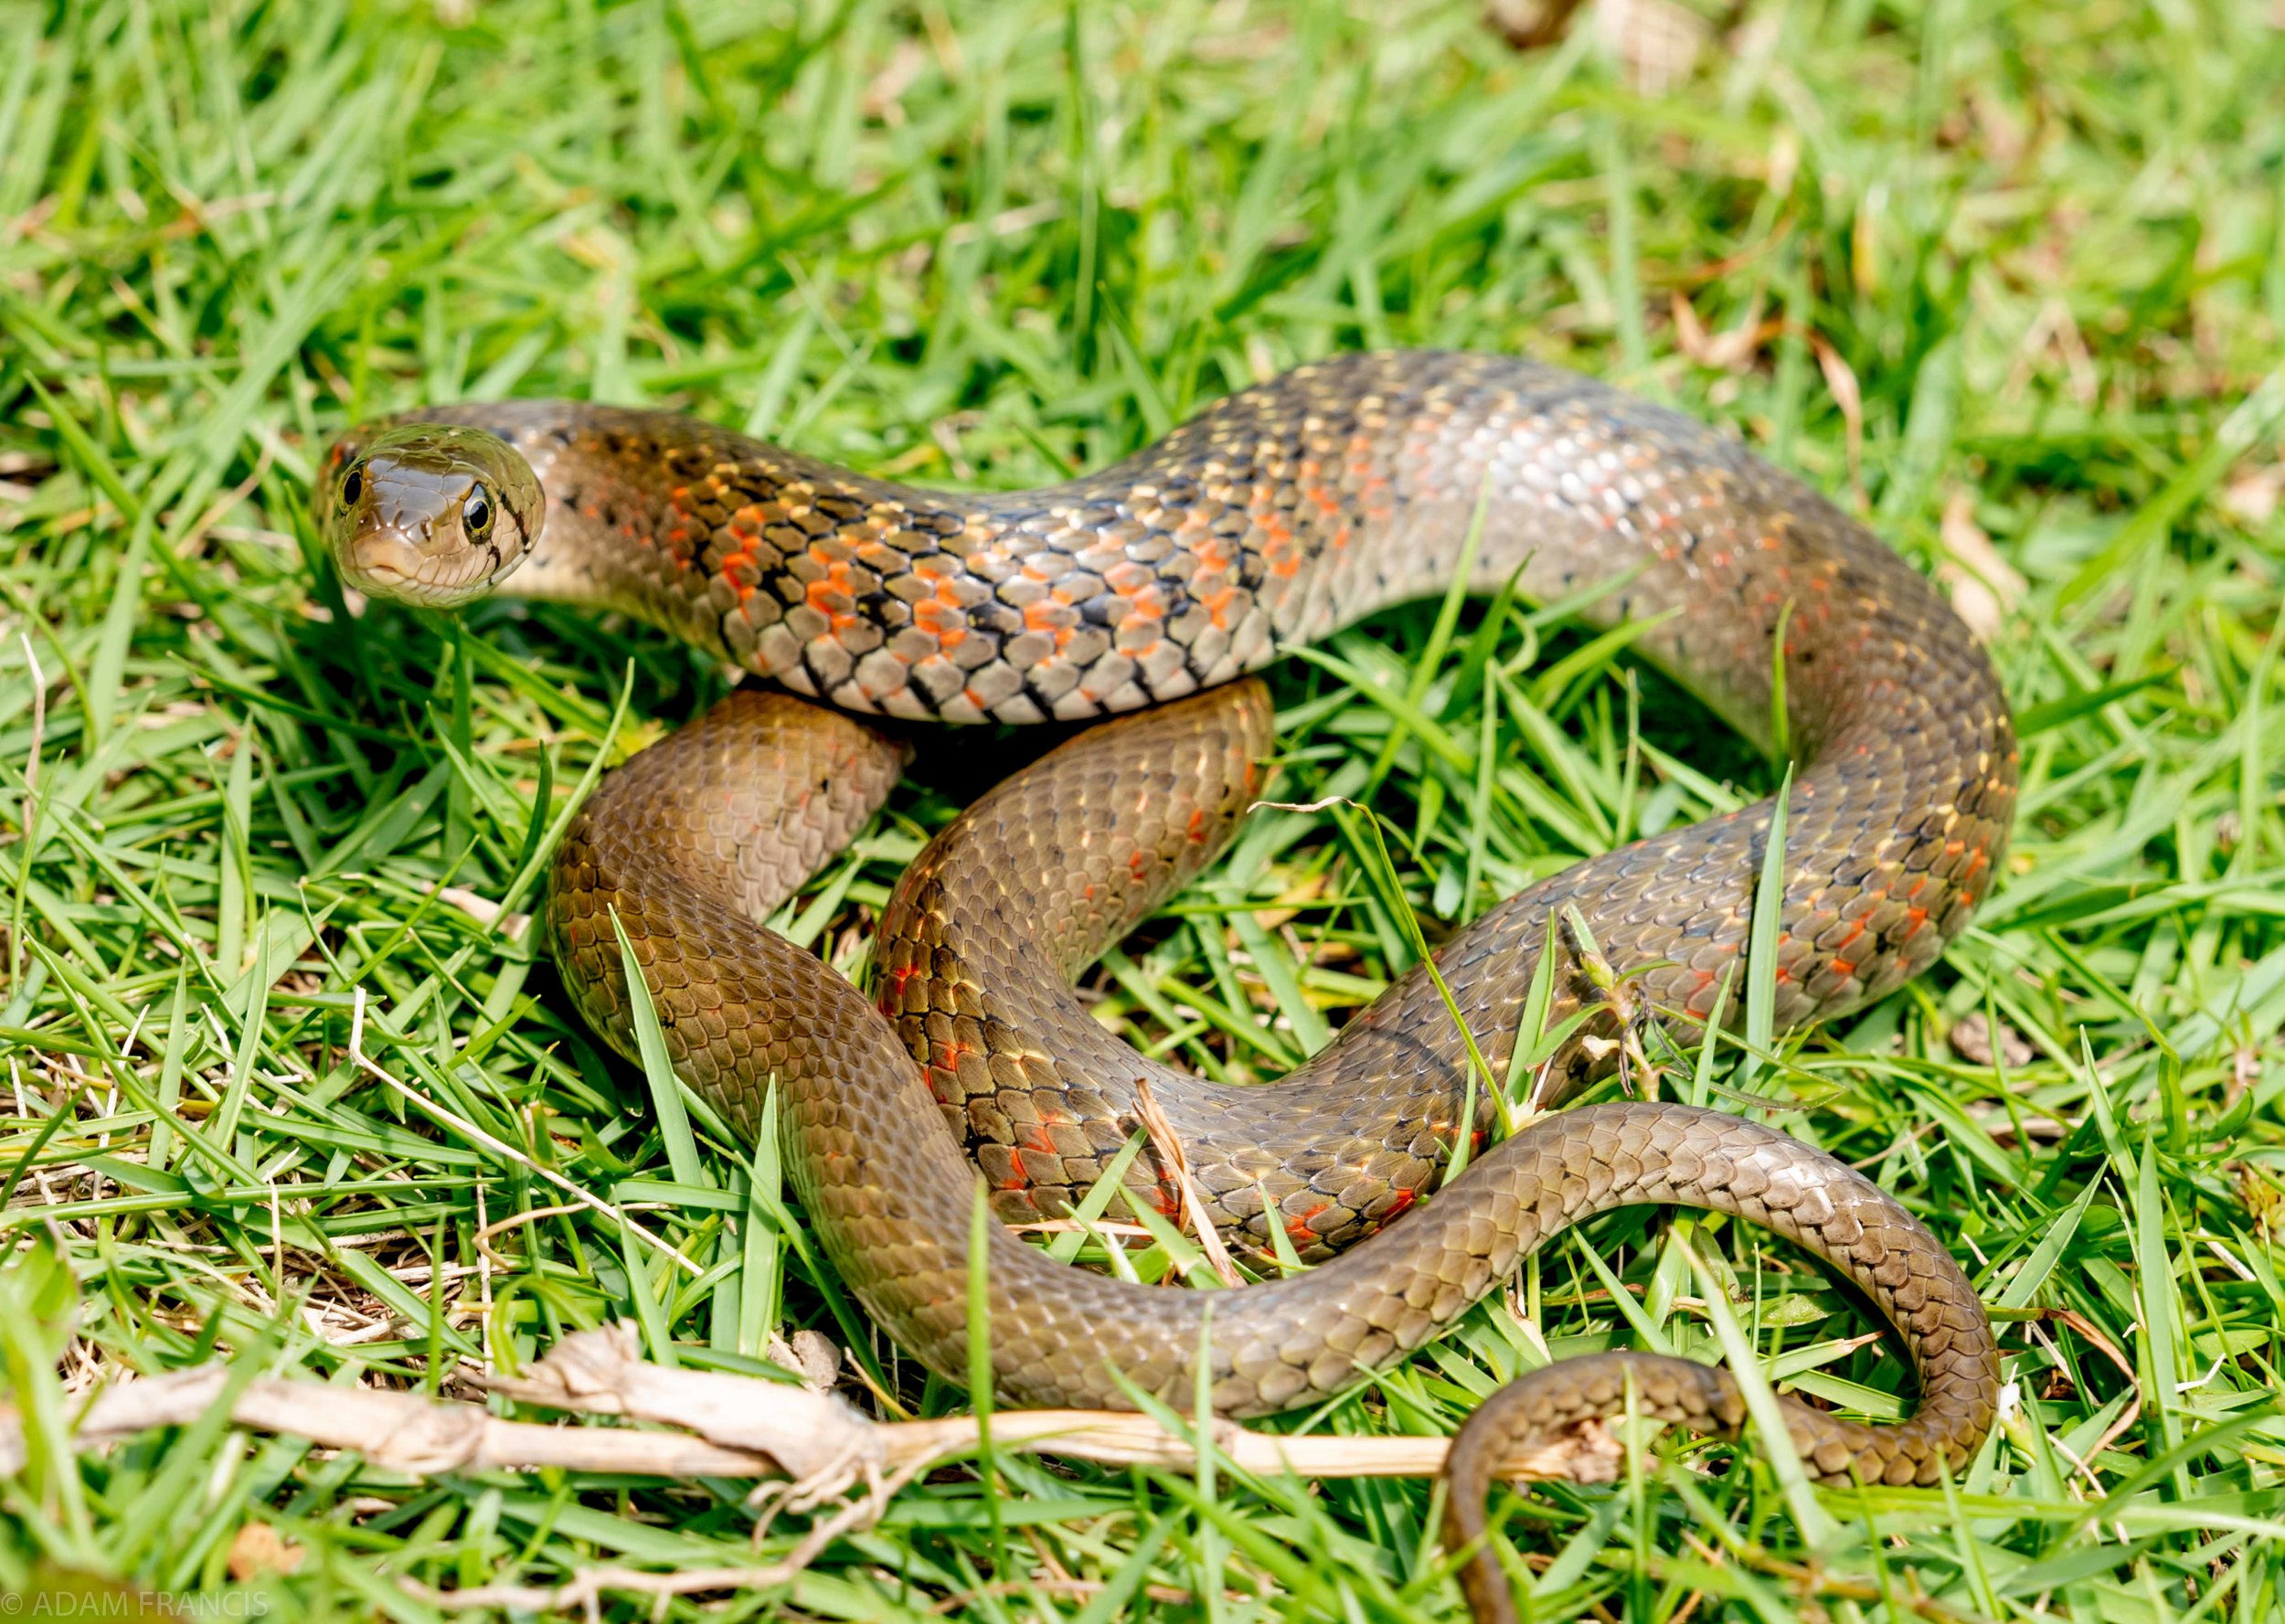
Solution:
(1277, 515)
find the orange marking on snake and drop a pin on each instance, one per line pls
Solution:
(901, 975)
(938, 623)
(1845, 967)
(1197, 826)
(836, 596)
(1402, 1201)
(942, 618)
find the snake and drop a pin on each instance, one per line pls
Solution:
(1139, 598)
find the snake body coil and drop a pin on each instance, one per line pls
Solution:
(1271, 518)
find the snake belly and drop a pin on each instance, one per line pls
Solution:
(1271, 518)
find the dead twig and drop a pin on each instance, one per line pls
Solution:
(812, 1448)
(735, 1426)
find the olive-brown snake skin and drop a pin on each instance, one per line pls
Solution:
(1277, 515)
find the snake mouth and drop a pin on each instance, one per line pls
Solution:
(386, 566)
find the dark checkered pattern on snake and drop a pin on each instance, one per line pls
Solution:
(1271, 518)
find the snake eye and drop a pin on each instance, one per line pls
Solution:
(353, 487)
(475, 514)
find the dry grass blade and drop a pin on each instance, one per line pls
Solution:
(1191, 1212)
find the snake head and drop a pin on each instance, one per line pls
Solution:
(432, 513)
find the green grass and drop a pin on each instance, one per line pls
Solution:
(1980, 272)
